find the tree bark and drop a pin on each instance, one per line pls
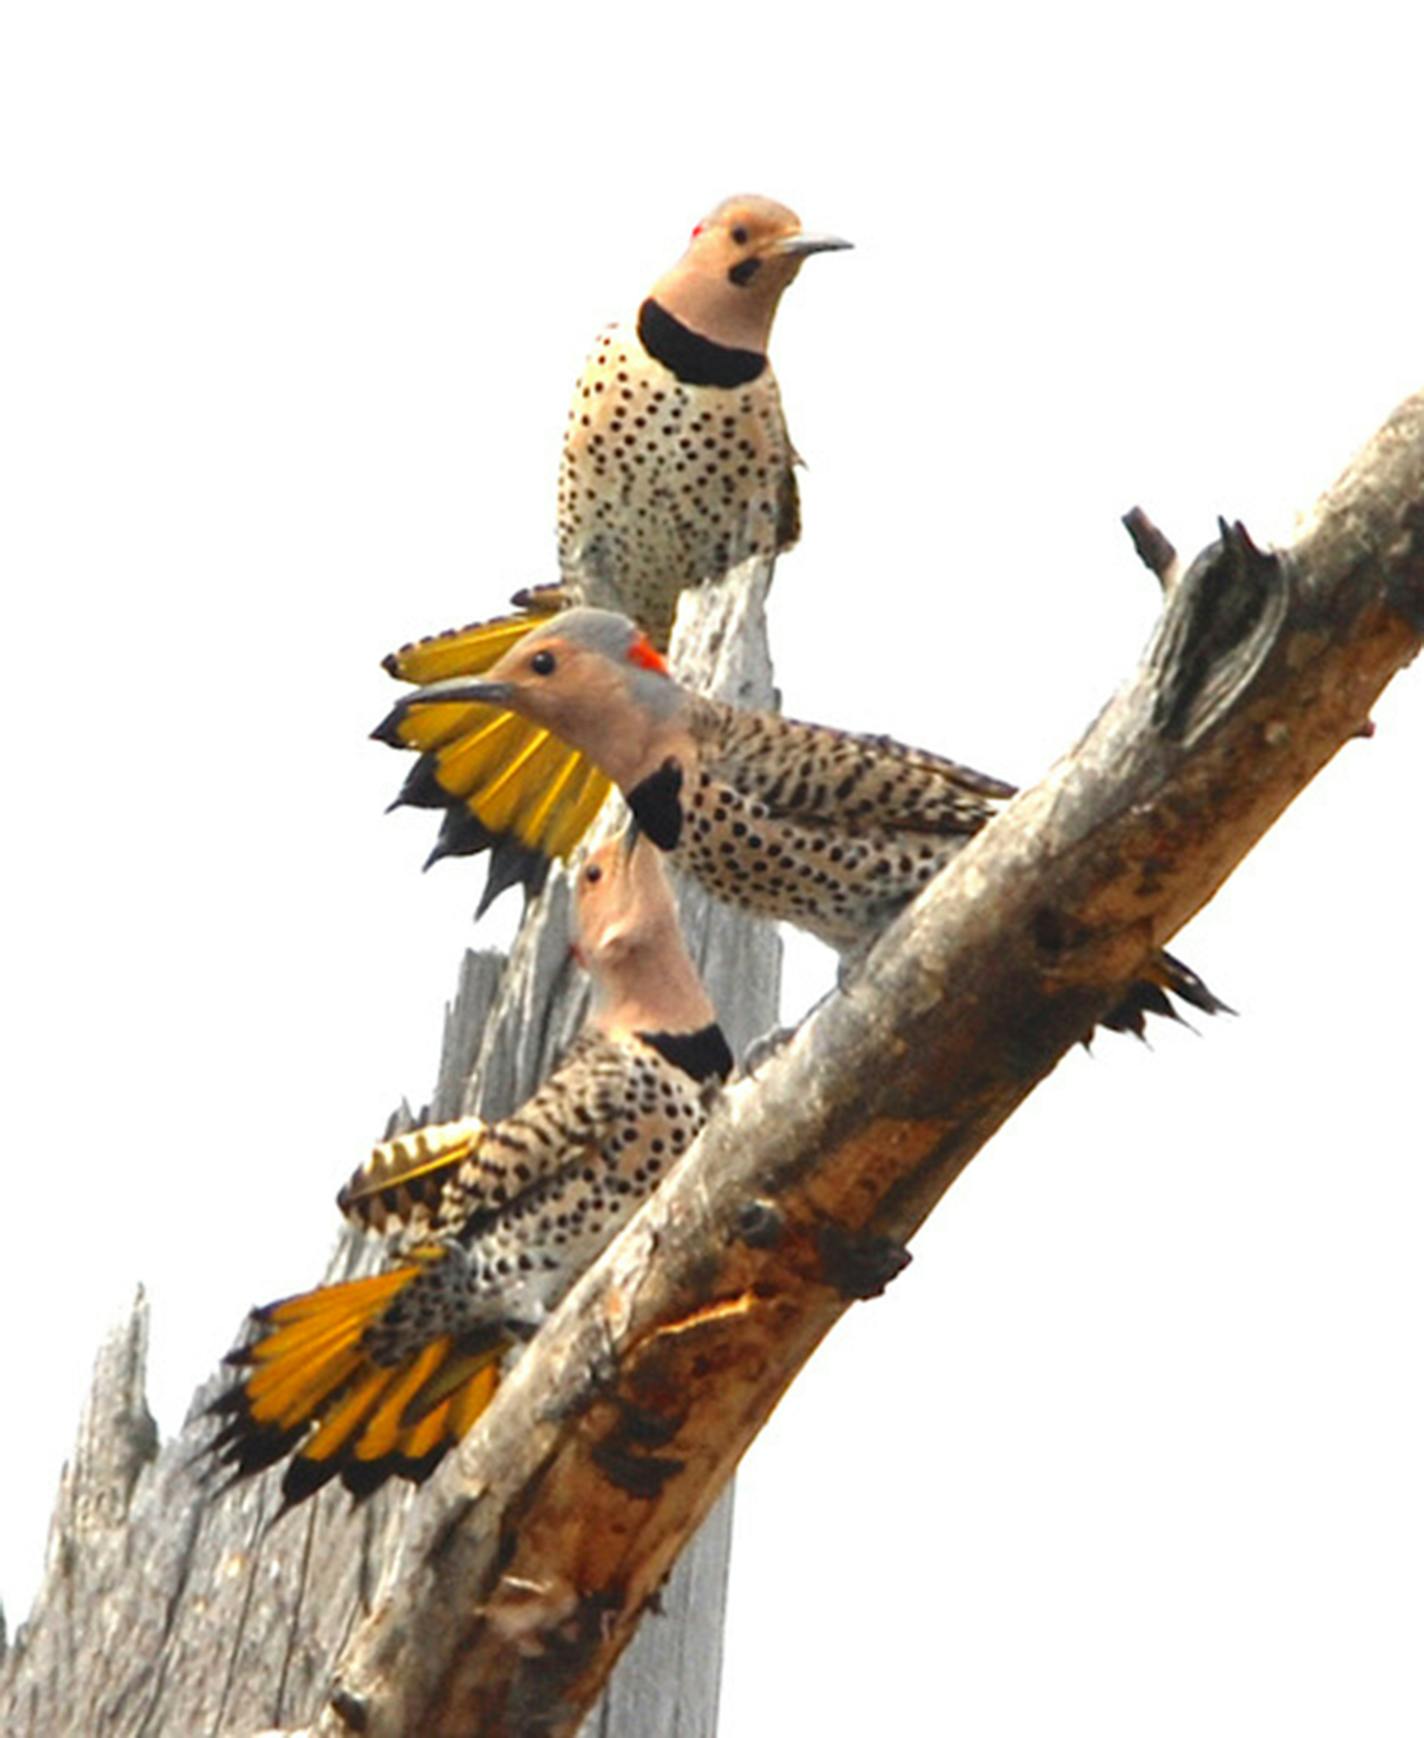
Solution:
(168, 1609)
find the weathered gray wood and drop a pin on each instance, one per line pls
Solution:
(166, 1609)
(527, 1571)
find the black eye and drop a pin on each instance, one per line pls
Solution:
(593, 873)
(542, 663)
(739, 235)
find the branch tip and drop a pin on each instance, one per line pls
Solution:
(1154, 548)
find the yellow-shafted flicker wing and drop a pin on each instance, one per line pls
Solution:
(311, 1390)
(507, 787)
(839, 779)
(400, 1185)
(446, 1175)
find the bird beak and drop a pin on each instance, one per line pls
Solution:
(460, 690)
(799, 245)
(631, 835)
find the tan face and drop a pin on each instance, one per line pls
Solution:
(621, 902)
(632, 943)
(740, 258)
(581, 695)
(744, 244)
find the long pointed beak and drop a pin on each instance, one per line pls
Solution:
(799, 245)
(462, 691)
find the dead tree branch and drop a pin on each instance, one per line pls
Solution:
(525, 1572)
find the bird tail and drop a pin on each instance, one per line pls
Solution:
(1148, 995)
(311, 1390)
(507, 786)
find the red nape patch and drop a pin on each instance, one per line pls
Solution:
(644, 652)
(698, 231)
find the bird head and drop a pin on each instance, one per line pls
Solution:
(740, 258)
(591, 677)
(630, 939)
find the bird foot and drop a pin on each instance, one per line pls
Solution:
(765, 1046)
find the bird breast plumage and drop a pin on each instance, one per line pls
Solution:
(665, 484)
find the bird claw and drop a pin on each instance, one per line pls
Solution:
(763, 1047)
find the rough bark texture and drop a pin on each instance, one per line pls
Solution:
(527, 1570)
(167, 1610)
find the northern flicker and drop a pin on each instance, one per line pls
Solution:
(830, 831)
(489, 1224)
(676, 467)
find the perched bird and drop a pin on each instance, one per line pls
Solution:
(677, 464)
(830, 831)
(676, 467)
(489, 1223)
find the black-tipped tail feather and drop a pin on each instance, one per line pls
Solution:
(506, 786)
(311, 1393)
(1149, 995)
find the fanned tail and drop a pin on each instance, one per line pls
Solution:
(312, 1392)
(507, 786)
(1148, 995)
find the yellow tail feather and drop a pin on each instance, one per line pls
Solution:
(307, 1351)
(587, 792)
(287, 1392)
(349, 1411)
(312, 1392)
(426, 1436)
(470, 1402)
(511, 776)
(507, 786)
(463, 737)
(386, 1427)
(470, 650)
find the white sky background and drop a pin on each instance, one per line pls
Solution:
(294, 298)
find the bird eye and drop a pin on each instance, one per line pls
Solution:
(739, 235)
(594, 872)
(542, 663)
